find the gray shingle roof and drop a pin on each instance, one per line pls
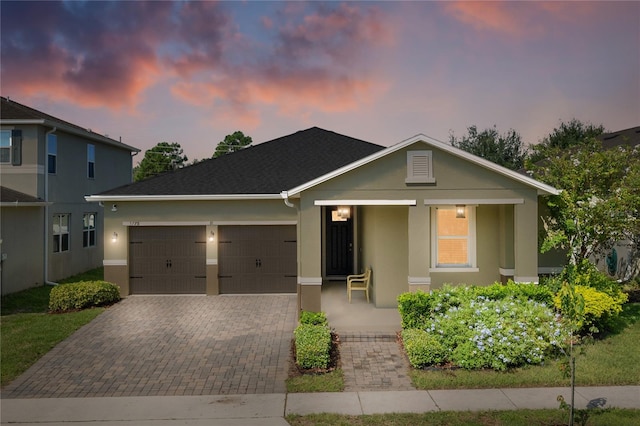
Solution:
(8, 195)
(621, 137)
(267, 168)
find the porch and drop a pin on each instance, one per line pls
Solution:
(359, 316)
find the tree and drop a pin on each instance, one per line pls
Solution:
(600, 199)
(504, 149)
(161, 158)
(232, 143)
(573, 133)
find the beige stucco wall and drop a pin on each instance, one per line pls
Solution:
(22, 244)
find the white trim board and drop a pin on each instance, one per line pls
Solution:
(114, 262)
(310, 280)
(166, 223)
(253, 222)
(472, 201)
(194, 197)
(365, 202)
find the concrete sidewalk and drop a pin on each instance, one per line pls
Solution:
(270, 409)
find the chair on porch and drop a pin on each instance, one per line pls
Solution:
(359, 282)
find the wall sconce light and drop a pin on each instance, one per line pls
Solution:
(211, 235)
(114, 208)
(114, 238)
(461, 211)
(344, 212)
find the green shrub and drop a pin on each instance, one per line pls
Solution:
(422, 348)
(313, 345)
(528, 291)
(81, 295)
(599, 308)
(415, 309)
(313, 318)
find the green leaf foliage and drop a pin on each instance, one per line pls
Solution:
(232, 143)
(423, 349)
(81, 295)
(313, 318)
(161, 158)
(504, 149)
(313, 345)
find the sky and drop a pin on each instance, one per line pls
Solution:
(194, 72)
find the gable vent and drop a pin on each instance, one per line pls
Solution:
(419, 167)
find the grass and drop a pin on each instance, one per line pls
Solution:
(614, 360)
(27, 331)
(619, 417)
(332, 381)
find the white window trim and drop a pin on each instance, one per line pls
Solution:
(60, 233)
(88, 231)
(411, 174)
(90, 161)
(471, 240)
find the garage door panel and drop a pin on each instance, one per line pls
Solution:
(167, 260)
(257, 259)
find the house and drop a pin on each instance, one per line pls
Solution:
(47, 166)
(289, 214)
(621, 261)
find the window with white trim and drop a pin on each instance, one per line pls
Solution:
(52, 153)
(420, 167)
(454, 237)
(61, 232)
(89, 230)
(91, 161)
(5, 146)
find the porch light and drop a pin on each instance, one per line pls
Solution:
(114, 238)
(344, 212)
(211, 235)
(461, 211)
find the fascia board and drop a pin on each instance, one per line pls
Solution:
(543, 189)
(25, 204)
(194, 197)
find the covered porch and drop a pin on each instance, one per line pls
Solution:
(357, 316)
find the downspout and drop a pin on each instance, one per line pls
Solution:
(285, 197)
(46, 208)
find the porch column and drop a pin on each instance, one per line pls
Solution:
(309, 256)
(526, 239)
(506, 235)
(419, 248)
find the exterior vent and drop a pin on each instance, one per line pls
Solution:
(419, 167)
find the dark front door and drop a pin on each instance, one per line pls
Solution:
(339, 247)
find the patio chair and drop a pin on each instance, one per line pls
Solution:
(359, 282)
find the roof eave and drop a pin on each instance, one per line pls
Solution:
(190, 197)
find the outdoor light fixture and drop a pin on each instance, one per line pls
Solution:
(211, 235)
(460, 211)
(114, 238)
(344, 212)
(114, 208)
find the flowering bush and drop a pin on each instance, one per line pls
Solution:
(599, 307)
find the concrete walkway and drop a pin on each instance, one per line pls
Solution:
(270, 409)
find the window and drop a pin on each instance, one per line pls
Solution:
(91, 161)
(52, 153)
(419, 167)
(5, 146)
(89, 230)
(60, 232)
(453, 244)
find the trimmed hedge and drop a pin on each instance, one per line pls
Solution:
(313, 318)
(81, 295)
(313, 345)
(422, 348)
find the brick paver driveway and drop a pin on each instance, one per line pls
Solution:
(170, 345)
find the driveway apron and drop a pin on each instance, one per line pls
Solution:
(170, 345)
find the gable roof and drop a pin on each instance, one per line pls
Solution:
(12, 112)
(259, 171)
(543, 189)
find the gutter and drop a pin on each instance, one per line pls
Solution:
(46, 208)
(285, 197)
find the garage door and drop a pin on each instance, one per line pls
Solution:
(257, 259)
(167, 259)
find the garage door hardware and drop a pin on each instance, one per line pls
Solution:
(258, 263)
(168, 263)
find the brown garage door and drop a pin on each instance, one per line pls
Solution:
(257, 259)
(167, 259)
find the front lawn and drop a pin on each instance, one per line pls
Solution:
(27, 331)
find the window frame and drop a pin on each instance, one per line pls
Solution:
(91, 161)
(89, 233)
(9, 147)
(471, 265)
(52, 155)
(61, 244)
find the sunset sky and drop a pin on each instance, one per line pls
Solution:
(193, 72)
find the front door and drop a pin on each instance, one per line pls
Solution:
(339, 244)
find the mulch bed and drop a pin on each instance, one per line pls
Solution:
(334, 359)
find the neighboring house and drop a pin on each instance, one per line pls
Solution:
(47, 166)
(622, 261)
(292, 213)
